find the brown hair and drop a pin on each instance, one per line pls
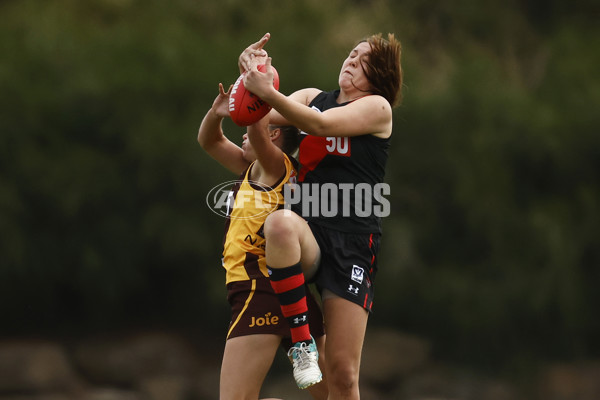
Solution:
(291, 137)
(383, 69)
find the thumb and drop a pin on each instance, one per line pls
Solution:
(268, 64)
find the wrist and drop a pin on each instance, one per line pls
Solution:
(271, 96)
(214, 114)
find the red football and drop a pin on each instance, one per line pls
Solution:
(244, 107)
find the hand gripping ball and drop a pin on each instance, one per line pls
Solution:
(245, 108)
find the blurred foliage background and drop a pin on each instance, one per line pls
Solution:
(492, 250)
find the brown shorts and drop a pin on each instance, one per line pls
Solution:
(255, 310)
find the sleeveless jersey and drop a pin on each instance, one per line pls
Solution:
(352, 168)
(249, 204)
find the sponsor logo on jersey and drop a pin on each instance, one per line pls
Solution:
(268, 319)
(353, 289)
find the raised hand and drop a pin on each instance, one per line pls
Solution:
(221, 104)
(258, 82)
(253, 52)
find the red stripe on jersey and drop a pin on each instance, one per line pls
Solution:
(312, 151)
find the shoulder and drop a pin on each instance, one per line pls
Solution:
(375, 112)
(374, 101)
(375, 106)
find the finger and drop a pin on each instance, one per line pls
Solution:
(260, 53)
(253, 63)
(261, 43)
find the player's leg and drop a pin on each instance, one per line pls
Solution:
(346, 324)
(290, 246)
(246, 362)
(290, 241)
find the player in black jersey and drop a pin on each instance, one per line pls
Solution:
(340, 201)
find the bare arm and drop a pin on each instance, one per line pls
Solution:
(367, 115)
(270, 164)
(303, 96)
(214, 142)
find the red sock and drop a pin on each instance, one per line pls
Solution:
(288, 284)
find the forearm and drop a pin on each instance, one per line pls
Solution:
(268, 154)
(296, 113)
(275, 118)
(211, 131)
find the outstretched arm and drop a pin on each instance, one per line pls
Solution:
(367, 115)
(270, 165)
(212, 139)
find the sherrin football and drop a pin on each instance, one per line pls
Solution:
(245, 108)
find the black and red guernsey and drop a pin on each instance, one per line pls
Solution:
(344, 163)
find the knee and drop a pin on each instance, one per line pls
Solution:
(342, 377)
(279, 225)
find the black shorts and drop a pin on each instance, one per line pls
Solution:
(348, 264)
(255, 310)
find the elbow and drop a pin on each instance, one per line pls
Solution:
(201, 140)
(318, 126)
(204, 136)
(204, 142)
(319, 130)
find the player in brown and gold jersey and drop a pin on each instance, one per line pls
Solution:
(257, 321)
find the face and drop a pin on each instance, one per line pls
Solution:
(352, 77)
(248, 151)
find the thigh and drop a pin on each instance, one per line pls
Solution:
(346, 323)
(246, 361)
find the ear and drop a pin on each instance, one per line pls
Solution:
(275, 134)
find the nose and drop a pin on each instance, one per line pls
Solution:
(245, 136)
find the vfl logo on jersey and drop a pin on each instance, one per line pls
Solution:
(357, 274)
